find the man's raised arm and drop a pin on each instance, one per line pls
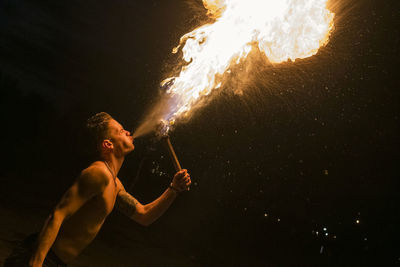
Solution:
(91, 182)
(147, 214)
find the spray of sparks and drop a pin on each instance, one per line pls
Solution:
(283, 30)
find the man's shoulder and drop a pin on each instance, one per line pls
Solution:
(95, 174)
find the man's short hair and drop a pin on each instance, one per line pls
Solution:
(97, 126)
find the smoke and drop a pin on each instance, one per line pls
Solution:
(154, 117)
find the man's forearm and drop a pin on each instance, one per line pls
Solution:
(46, 239)
(155, 209)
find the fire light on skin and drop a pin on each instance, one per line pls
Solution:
(283, 30)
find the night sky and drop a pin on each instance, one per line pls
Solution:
(299, 169)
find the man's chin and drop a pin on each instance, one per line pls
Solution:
(129, 149)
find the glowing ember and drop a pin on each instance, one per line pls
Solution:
(283, 30)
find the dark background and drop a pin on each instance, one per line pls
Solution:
(299, 170)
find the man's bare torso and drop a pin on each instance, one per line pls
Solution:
(82, 227)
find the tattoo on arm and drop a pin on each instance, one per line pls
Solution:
(126, 204)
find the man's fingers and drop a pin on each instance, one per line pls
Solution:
(181, 173)
(185, 181)
(182, 180)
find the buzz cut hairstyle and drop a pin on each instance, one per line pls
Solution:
(97, 126)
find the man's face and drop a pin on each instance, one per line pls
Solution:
(121, 138)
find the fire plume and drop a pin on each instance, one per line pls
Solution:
(283, 30)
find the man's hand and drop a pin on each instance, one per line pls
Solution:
(181, 181)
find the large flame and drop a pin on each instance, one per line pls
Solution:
(282, 29)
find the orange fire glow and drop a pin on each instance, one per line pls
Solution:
(283, 30)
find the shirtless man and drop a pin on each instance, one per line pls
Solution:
(81, 212)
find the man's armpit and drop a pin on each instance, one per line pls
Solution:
(126, 204)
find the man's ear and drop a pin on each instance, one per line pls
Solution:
(107, 144)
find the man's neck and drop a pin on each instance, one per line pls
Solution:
(114, 163)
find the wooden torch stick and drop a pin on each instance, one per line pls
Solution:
(172, 154)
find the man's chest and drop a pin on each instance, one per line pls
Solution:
(104, 203)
